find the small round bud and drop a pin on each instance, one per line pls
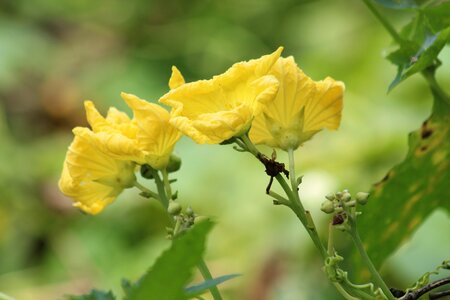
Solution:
(346, 196)
(200, 219)
(174, 208)
(330, 196)
(327, 207)
(174, 164)
(147, 171)
(339, 195)
(362, 197)
(189, 211)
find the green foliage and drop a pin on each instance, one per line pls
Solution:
(95, 295)
(421, 41)
(416, 55)
(198, 289)
(398, 4)
(169, 275)
(411, 190)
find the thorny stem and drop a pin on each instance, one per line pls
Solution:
(374, 272)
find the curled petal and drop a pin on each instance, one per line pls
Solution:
(211, 111)
(176, 79)
(156, 137)
(92, 177)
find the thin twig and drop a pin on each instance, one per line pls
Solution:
(429, 287)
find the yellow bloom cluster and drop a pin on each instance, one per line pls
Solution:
(269, 98)
(101, 162)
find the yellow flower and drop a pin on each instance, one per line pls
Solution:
(146, 139)
(301, 108)
(155, 137)
(212, 111)
(92, 177)
(116, 134)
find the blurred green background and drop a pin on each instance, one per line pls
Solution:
(54, 54)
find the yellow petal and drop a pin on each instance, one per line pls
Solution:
(95, 119)
(211, 111)
(91, 177)
(176, 79)
(90, 196)
(155, 136)
(302, 107)
(324, 109)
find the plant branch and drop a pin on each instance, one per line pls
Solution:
(161, 189)
(439, 295)
(429, 287)
(203, 268)
(384, 22)
(434, 85)
(374, 272)
(146, 191)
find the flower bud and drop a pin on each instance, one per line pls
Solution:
(189, 211)
(174, 164)
(346, 196)
(327, 207)
(200, 219)
(147, 171)
(362, 197)
(174, 208)
(330, 196)
(339, 195)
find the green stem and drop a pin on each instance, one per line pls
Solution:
(207, 276)
(280, 199)
(344, 292)
(357, 292)
(297, 205)
(146, 190)
(161, 190)
(374, 272)
(384, 22)
(249, 145)
(167, 183)
(434, 85)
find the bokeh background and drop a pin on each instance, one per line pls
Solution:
(55, 54)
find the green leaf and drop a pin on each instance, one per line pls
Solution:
(438, 16)
(398, 4)
(413, 57)
(95, 295)
(171, 272)
(412, 190)
(422, 39)
(201, 288)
